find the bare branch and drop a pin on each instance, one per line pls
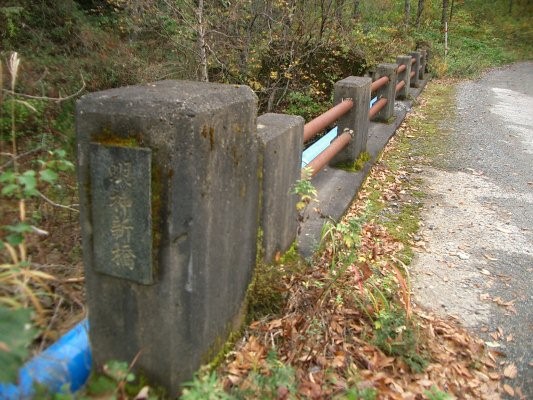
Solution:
(14, 158)
(56, 204)
(55, 99)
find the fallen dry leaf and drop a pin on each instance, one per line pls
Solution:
(510, 371)
(328, 344)
(504, 230)
(494, 376)
(508, 389)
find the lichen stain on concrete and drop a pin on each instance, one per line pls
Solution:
(209, 132)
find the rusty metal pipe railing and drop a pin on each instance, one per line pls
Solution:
(400, 85)
(331, 151)
(317, 125)
(401, 68)
(413, 73)
(413, 60)
(377, 107)
(379, 83)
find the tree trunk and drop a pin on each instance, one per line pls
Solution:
(510, 6)
(419, 12)
(356, 12)
(451, 11)
(407, 10)
(339, 8)
(202, 45)
(444, 17)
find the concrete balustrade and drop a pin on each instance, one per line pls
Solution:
(387, 91)
(423, 62)
(169, 190)
(415, 78)
(281, 138)
(356, 120)
(177, 180)
(404, 76)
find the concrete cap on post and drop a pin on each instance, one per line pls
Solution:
(387, 91)
(423, 62)
(405, 76)
(169, 192)
(281, 139)
(356, 120)
(416, 68)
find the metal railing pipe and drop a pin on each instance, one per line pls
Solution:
(329, 153)
(400, 86)
(317, 125)
(377, 107)
(401, 68)
(379, 83)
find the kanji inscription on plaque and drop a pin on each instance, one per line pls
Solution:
(121, 211)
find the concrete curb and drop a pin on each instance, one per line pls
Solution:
(337, 188)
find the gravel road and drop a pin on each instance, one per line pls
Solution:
(478, 219)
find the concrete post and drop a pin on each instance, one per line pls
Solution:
(387, 91)
(416, 68)
(168, 180)
(405, 76)
(357, 89)
(281, 140)
(423, 62)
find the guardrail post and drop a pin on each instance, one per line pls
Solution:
(356, 120)
(388, 91)
(281, 139)
(168, 178)
(405, 76)
(423, 62)
(416, 68)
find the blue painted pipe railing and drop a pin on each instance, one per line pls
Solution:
(64, 366)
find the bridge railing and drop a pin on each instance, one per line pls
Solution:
(390, 81)
(173, 176)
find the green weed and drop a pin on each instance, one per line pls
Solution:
(357, 165)
(358, 394)
(304, 105)
(436, 394)
(205, 387)
(274, 378)
(396, 336)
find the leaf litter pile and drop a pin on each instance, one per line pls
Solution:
(347, 327)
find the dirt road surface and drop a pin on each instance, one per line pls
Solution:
(478, 219)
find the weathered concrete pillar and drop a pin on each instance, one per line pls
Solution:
(405, 76)
(168, 178)
(281, 138)
(423, 62)
(387, 91)
(357, 89)
(415, 68)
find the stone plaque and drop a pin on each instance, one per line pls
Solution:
(121, 211)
